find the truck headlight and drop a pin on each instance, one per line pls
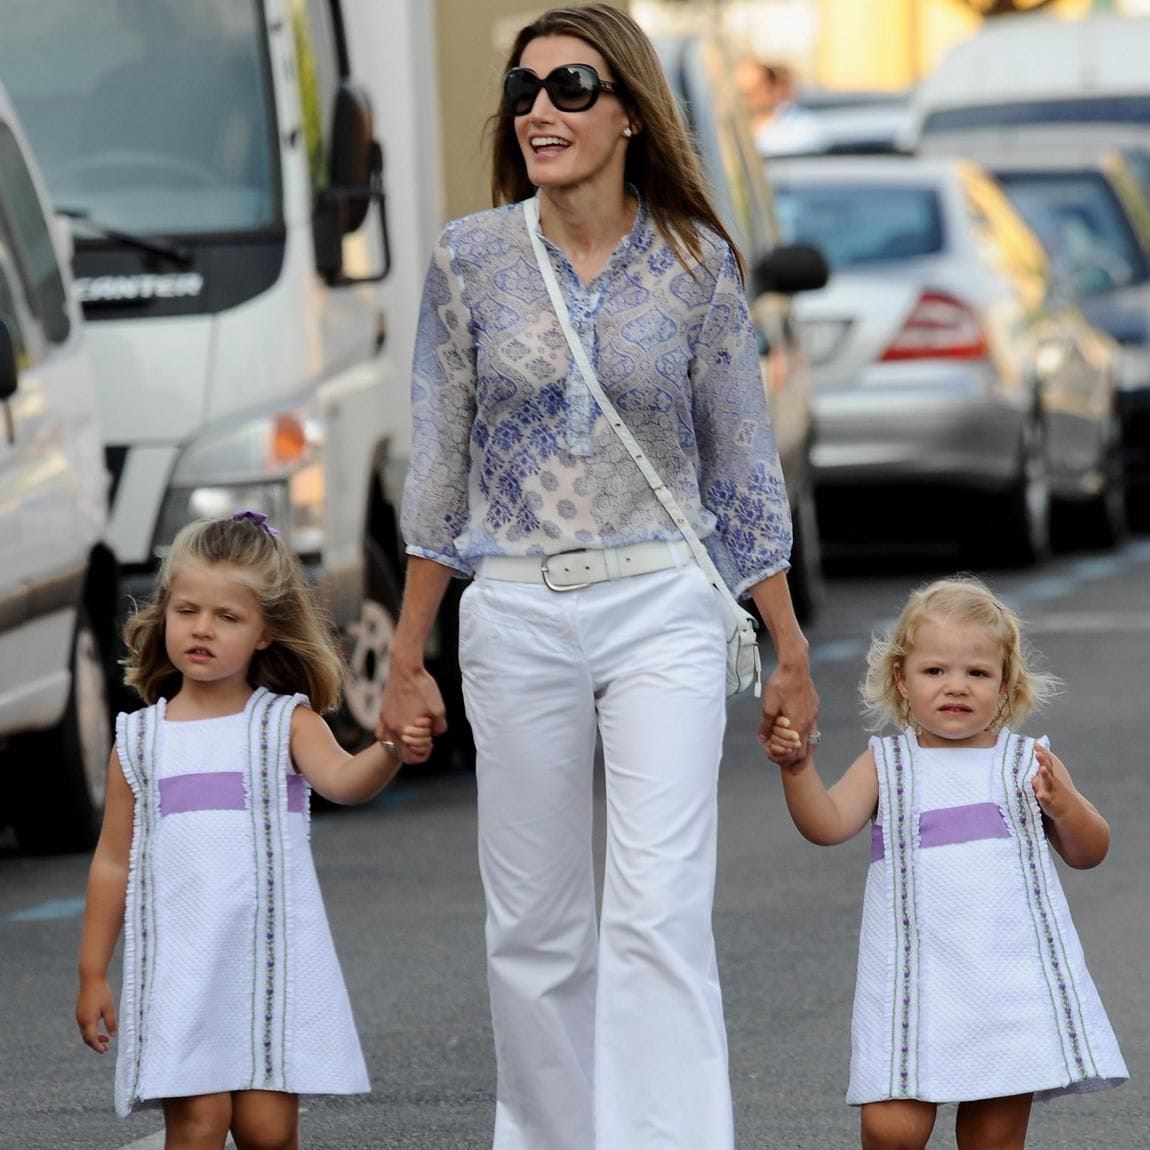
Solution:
(273, 463)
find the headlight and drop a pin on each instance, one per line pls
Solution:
(273, 464)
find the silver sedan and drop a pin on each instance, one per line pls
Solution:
(945, 360)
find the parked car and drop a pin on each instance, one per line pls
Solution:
(856, 123)
(1026, 71)
(946, 360)
(1092, 213)
(701, 78)
(57, 578)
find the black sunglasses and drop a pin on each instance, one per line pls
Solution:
(570, 88)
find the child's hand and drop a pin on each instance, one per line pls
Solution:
(94, 1006)
(1047, 789)
(416, 740)
(785, 746)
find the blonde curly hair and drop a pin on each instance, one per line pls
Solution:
(303, 655)
(960, 599)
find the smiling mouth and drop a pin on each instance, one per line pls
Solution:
(540, 142)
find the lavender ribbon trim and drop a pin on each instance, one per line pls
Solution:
(217, 791)
(948, 825)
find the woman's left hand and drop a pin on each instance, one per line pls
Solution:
(790, 691)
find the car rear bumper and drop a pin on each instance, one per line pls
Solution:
(940, 423)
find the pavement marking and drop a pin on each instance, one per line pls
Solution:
(52, 909)
(1090, 622)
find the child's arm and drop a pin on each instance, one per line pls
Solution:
(1073, 825)
(344, 778)
(825, 817)
(104, 911)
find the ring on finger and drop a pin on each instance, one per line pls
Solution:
(814, 737)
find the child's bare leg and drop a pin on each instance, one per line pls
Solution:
(993, 1123)
(265, 1120)
(900, 1124)
(199, 1122)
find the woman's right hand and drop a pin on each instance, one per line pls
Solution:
(410, 694)
(94, 1006)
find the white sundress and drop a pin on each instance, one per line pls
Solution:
(971, 978)
(231, 980)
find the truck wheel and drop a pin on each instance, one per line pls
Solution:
(369, 658)
(61, 774)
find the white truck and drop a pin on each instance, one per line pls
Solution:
(57, 577)
(219, 161)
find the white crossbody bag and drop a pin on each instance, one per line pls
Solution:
(743, 666)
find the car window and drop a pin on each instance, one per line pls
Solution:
(318, 67)
(1079, 218)
(30, 241)
(857, 224)
(14, 309)
(1009, 244)
(1096, 110)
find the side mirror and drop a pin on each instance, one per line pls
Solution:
(351, 159)
(9, 373)
(791, 268)
(355, 167)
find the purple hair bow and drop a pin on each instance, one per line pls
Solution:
(256, 517)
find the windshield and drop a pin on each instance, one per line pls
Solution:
(861, 224)
(1079, 219)
(150, 116)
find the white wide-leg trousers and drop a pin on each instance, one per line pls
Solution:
(609, 1035)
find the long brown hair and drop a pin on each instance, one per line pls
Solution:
(302, 655)
(661, 162)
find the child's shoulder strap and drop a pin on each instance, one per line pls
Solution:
(136, 744)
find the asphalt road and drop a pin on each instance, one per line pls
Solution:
(404, 899)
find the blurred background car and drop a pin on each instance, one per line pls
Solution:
(856, 123)
(1029, 70)
(960, 396)
(1090, 210)
(701, 78)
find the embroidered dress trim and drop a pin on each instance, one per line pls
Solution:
(138, 734)
(269, 741)
(1023, 812)
(897, 797)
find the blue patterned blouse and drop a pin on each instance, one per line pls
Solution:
(510, 454)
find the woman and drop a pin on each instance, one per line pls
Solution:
(608, 1035)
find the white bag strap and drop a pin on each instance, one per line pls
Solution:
(531, 214)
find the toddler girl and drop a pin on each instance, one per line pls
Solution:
(972, 986)
(233, 1002)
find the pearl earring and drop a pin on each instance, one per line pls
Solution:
(628, 133)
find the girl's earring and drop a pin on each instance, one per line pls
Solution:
(627, 132)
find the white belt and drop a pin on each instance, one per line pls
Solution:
(571, 570)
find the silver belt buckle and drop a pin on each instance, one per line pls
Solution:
(546, 573)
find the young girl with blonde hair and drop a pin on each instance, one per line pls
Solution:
(233, 1003)
(972, 987)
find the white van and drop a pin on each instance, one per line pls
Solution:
(1025, 73)
(219, 160)
(57, 578)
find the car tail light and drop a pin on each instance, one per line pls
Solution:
(939, 327)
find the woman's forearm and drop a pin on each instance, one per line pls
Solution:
(425, 585)
(772, 597)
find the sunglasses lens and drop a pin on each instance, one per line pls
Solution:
(573, 88)
(520, 87)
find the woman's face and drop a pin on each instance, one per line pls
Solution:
(565, 150)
